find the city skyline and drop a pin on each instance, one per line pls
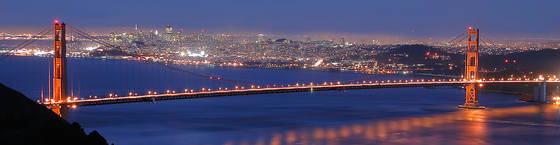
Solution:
(228, 72)
(362, 19)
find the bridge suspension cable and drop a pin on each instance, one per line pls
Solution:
(26, 43)
(458, 39)
(488, 42)
(92, 38)
(162, 64)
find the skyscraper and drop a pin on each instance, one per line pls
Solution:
(169, 36)
(260, 38)
(168, 29)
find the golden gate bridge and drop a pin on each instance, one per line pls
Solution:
(61, 101)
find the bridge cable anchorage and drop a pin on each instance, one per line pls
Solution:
(27, 42)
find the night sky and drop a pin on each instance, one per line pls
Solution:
(411, 18)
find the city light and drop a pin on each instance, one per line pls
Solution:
(371, 72)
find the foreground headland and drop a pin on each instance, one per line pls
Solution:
(26, 122)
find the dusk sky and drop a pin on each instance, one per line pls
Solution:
(409, 18)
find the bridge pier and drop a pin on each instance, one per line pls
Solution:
(471, 100)
(60, 82)
(471, 71)
(539, 93)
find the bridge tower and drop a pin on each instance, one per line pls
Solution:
(60, 83)
(471, 70)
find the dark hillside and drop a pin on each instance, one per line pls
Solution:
(26, 122)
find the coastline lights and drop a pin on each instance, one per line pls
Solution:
(541, 77)
(556, 100)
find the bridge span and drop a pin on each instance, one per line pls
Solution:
(275, 90)
(61, 100)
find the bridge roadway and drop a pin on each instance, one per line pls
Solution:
(289, 89)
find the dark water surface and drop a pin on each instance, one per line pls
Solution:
(379, 116)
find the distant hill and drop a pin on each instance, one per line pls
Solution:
(422, 54)
(542, 61)
(520, 63)
(24, 122)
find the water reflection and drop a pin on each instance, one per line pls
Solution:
(461, 127)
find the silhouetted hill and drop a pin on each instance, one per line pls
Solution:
(526, 63)
(25, 122)
(433, 59)
(542, 61)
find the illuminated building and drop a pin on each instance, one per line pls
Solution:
(260, 38)
(169, 36)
